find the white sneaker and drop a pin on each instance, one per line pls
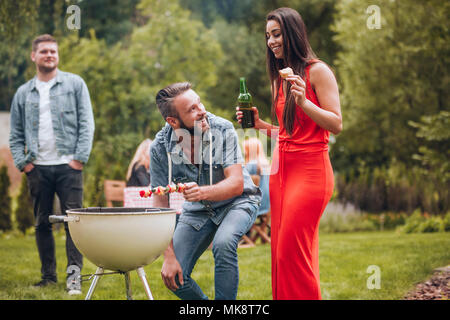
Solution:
(73, 292)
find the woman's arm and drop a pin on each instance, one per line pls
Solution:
(324, 83)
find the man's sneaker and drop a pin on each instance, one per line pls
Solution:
(44, 283)
(73, 280)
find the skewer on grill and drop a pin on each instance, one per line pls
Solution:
(180, 187)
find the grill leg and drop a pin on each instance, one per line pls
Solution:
(141, 274)
(128, 286)
(98, 273)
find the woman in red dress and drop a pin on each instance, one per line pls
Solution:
(307, 107)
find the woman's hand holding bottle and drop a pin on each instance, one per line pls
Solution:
(239, 116)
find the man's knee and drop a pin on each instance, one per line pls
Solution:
(225, 244)
(43, 227)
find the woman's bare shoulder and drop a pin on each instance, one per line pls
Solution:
(320, 72)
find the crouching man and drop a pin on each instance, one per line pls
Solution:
(201, 150)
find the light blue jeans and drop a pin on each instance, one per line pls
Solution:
(189, 244)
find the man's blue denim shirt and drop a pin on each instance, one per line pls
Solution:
(225, 152)
(72, 119)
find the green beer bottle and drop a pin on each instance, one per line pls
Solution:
(245, 104)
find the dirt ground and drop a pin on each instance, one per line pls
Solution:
(435, 288)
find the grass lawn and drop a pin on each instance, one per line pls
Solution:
(403, 260)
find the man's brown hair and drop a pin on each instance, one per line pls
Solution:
(42, 38)
(165, 97)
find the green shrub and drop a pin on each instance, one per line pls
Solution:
(433, 224)
(93, 185)
(396, 188)
(345, 222)
(447, 222)
(423, 223)
(413, 222)
(387, 220)
(394, 220)
(5, 200)
(24, 210)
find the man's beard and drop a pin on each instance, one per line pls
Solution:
(192, 130)
(183, 126)
(44, 69)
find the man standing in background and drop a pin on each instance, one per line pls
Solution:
(52, 129)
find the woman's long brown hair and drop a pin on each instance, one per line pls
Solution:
(297, 55)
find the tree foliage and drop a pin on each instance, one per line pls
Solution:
(123, 80)
(390, 77)
(111, 20)
(15, 45)
(240, 28)
(393, 152)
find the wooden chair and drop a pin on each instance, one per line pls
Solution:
(114, 191)
(261, 227)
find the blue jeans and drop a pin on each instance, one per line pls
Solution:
(189, 244)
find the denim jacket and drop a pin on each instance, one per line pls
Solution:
(72, 119)
(225, 152)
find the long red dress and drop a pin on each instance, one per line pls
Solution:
(301, 184)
